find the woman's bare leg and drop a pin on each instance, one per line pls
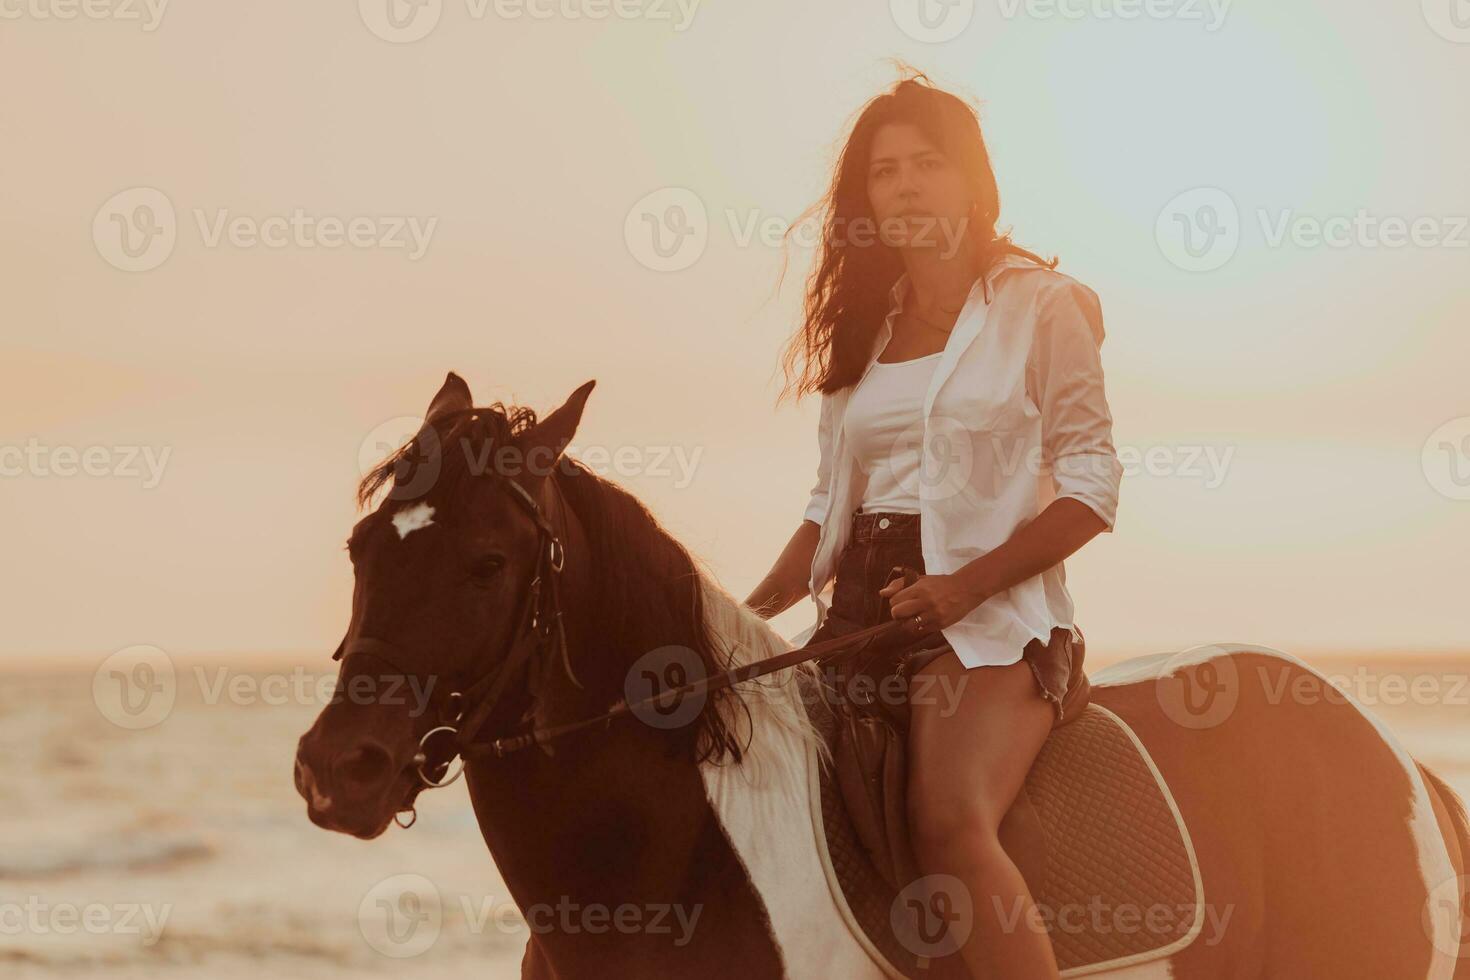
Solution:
(969, 757)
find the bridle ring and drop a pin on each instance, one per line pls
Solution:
(422, 757)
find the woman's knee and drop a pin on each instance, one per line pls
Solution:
(950, 830)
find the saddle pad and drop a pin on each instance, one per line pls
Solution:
(1101, 840)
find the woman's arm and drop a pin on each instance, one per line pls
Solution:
(786, 583)
(1064, 527)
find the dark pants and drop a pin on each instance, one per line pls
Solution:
(881, 542)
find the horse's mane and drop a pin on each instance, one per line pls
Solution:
(774, 705)
(649, 591)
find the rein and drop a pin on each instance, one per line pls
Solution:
(841, 645)
(539, 638)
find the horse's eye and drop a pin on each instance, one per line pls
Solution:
(486, 567)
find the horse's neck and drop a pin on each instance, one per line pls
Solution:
(717, 864)
(610, 847)
(619, 863)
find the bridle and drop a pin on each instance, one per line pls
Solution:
(539, 637)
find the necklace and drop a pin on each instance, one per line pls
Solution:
(931, 324)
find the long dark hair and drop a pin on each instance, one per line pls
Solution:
(847, 294)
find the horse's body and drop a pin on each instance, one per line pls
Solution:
(1316, 834)
(1326, 853)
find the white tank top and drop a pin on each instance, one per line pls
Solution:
(884, 423)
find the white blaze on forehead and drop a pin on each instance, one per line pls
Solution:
(410, 519)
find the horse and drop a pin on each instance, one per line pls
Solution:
(1338, 855)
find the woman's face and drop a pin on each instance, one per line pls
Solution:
(919, 198)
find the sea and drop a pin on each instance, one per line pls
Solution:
(176, 846)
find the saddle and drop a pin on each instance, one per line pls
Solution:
(1094, 831)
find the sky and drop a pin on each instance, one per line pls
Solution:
(244, 242)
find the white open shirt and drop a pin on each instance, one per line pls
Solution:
(1014, 416)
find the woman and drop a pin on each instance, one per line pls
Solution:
(964, 433)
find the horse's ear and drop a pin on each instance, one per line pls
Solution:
(453, 396)
(558, 428)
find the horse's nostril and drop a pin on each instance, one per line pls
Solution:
(365, 765)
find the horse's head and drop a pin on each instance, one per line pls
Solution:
(444, 570)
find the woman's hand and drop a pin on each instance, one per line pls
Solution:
(942, 600)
